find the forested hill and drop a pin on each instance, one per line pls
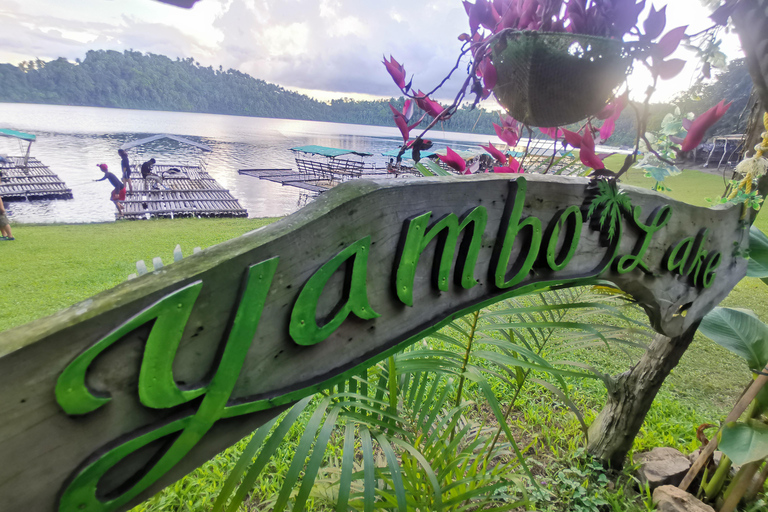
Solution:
(156, 82)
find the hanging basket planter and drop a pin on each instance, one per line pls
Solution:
(554, 79)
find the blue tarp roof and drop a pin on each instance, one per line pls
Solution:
(329, 152)
(408, 155)
(19, 135)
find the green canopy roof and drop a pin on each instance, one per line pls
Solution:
(19, 135)
(408, 155)
(329, 152)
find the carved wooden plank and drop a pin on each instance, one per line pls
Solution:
(106, 402)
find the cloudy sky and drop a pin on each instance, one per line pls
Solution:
(326, 48)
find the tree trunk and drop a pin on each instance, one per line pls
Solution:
(630, 397)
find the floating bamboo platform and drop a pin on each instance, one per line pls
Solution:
(309, 182)
(185, 191)
(35, 181)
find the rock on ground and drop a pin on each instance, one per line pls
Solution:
(669, 498)
(662, 466)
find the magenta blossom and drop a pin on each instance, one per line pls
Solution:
(430, 106)
(586, 145)
(481, 13)
(509, 131)
(396, 70)
(495, 153)
(401, 120)
(487, 70)
(655, 22)
(408, 108)
(669, 42)
(613, 111)
(552, 133)
(513, 167)
(453, 160)
(701, 124)
(667, 69)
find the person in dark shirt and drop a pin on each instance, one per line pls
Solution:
(146, 170)
(118, 194)
(125, 165)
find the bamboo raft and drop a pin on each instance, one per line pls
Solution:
(35, 181)
(190, 192)
(291, 178)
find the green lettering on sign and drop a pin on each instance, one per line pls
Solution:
(512, 226)
(446, 230)
(81, 493)
(656, 220)
(570, 218)
(304, 328)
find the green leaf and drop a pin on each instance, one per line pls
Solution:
(758, 254)
(423, 170)
(740, 332)
(434, 168)
(744, 442)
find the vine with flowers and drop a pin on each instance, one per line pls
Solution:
(587, 41)
(645, 41)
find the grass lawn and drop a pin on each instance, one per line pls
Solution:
(50, 267)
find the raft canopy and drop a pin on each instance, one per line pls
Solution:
(5, 132)
(408, 154)
(140, 142)
(329, 152)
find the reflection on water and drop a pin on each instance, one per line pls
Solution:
(73, 140)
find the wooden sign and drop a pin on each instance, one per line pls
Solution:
(108, 401)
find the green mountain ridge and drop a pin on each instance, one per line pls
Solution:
(133, 80)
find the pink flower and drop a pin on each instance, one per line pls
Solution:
(655, 22)
(401, 120)
(586, 145)
(513, 167)
(613, 110)
(430, 106)
(396, 70)
(487, 70)
(509, 131)
(587, 152)
(482, 13)
(495, 153)
(666, 69)
(453, 160)
(552, 133)
(572, 138)
(669, 42)
(408, 108)
(701, 124)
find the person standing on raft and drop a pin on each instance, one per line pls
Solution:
(118, 194)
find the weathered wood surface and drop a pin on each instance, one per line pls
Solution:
(42, 449)
(35, 181)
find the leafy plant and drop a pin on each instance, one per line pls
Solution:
(743, 443)
(409, 426)
(607, 206)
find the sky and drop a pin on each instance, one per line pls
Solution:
(324, 48)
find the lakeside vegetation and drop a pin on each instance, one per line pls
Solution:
(81, 260)
(135, 80)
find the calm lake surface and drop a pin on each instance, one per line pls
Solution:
(71, 141)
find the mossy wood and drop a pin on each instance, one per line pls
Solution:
(108, 401)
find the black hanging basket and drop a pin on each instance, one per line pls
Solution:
(554, 79)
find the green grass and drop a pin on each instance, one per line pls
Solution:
(50, 267)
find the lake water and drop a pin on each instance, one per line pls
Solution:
(71, 141)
